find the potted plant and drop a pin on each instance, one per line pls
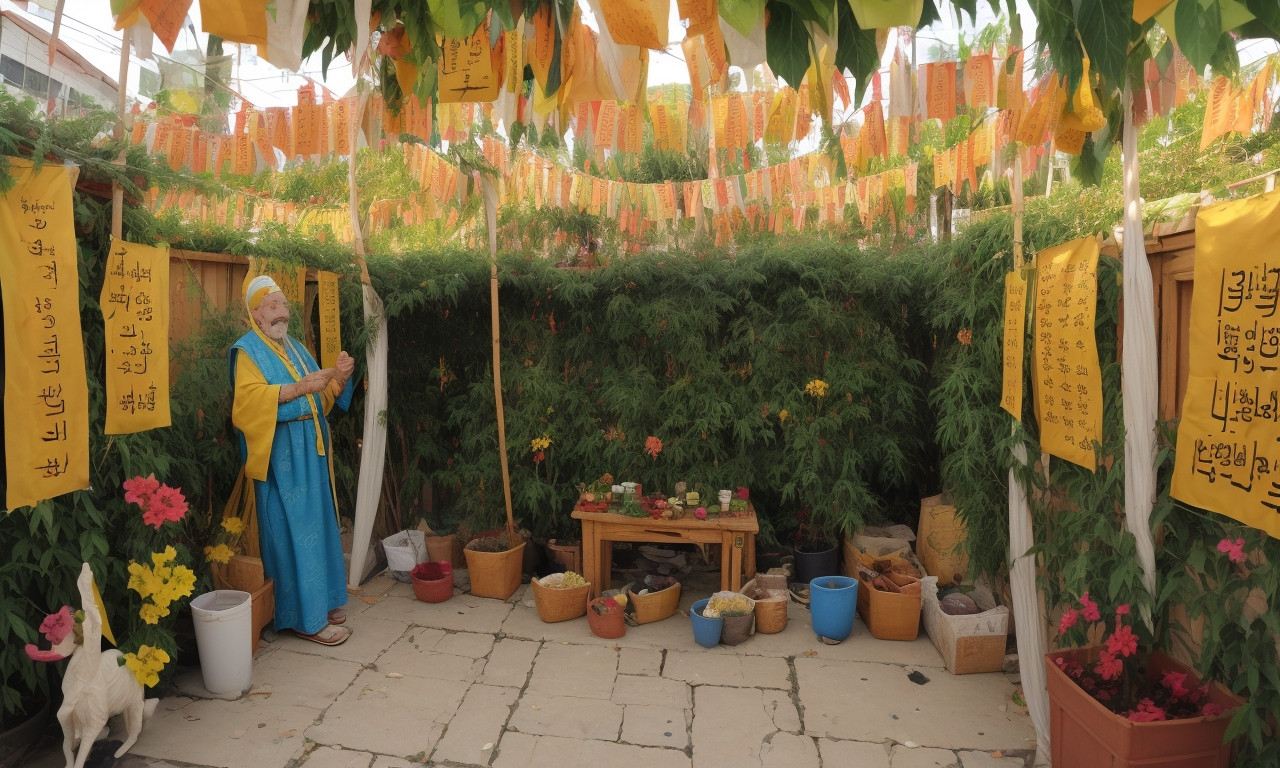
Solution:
(495, 564)
(432, 581)
(816, 551)
(1120, 704)
(737, 611)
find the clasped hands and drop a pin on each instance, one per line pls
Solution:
(316, 381)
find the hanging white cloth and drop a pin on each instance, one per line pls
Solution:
(1032, 643)
(373, 448)
(1140, 387)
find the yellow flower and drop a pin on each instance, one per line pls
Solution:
(143, 580)
(782, 415)
(816, 388)
(152, 613)
(539, 443)
(233, 525)
(146, 664)
(219, 554)
(160, 558)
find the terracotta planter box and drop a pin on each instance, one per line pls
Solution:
(1085, 734)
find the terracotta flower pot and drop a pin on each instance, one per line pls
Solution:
(434, 590)
(1085, 734)
(608, 625)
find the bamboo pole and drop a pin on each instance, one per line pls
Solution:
(491, 218)
(117, 192)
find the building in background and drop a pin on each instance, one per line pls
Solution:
(70, 87)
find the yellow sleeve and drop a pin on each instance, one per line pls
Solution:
(254, 412)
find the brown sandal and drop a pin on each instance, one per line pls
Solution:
(330, 635)
(337, 616)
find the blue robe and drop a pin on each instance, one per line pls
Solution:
(297, 518)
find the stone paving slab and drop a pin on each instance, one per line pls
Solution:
(390, 716)
(723, 669)
(510, 662)
(248, 731)
(520, 750)
(477, 726)
(574, 670)
(872, 702)
(656, 726)
(863, 754)
(426, 653)
(734, 727)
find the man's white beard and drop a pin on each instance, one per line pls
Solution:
(277, 330)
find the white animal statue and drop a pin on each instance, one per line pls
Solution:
(97, 685)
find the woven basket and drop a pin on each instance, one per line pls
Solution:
(495, 574)
(655, 606)
(556, 604)
(771, 615)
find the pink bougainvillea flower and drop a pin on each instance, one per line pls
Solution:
(1109, 666)
(1175, 682)
(1234, 550)
(139, 489)
(1122, 610)
(1211, 710)
(742, 493)
(1068, 621)
(1122, 642)
(56, 625)
(1089, 608)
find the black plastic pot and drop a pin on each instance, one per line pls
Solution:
(814, 560)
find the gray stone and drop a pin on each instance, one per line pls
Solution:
(574, 670)
(996, 759)
(789, 750)
(395, 716)
(419, 654)
(732, 726)
(640, 661)
(330, 757)
(635, 689)
(227, 733)
(510, 662)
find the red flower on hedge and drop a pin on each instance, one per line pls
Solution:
(652, 446)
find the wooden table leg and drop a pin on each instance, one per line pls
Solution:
(605, 549)
(726, 544)
(735, 560)
(749, 556)
(591, 557)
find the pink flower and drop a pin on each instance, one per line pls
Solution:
(139, 489)
(700, 513)
(652, 446)
(166, 504)
(56, 625)
(743, 493)
(1109, 666)
(1122, 642)
(1122, 610)
(1211, 710)
(1147, 712)
(1174, 681)
(1090, 608)
(1234, 550)
(1068, 620)
(38, 655)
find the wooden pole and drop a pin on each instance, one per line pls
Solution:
(117, 192)
(491, 218)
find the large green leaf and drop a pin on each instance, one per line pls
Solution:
(457, 19)
(1267, 13)
(1106, 29)
(1056, 28)
(742, 15)
(856, 50)
(929, 14)
(786, 41)
(821, 12)
(1198, 27)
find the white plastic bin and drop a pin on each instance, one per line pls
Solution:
(224, 635)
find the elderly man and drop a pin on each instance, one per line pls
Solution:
(281, 399)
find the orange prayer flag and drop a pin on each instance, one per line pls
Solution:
(978, 76)
(695, 57)
(941, 90)
(606, 125)
(166, 18)
(637, 22)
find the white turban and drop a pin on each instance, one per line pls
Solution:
(258, 289)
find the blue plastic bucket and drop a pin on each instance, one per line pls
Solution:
(833, 602)
(706, 631)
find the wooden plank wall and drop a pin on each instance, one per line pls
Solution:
(1172, 258)
(197, 280)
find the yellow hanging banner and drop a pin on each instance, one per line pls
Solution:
(465, 68)
(1069, 379)
(135, 317)
(1015, 328)
(46, 398)
(330, 321)
(1228, 457)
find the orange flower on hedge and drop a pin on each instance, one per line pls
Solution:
(652, 446)
(965, 336)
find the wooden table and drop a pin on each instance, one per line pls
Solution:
(735, 535)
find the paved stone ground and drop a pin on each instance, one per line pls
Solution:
(482, 682)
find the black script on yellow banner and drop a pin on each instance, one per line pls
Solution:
(1229, 438)
(330, 324)
(1015, 326)
(135, 321)
(46, 398)
(1069, 390)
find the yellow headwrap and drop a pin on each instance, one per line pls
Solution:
(258, 289)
